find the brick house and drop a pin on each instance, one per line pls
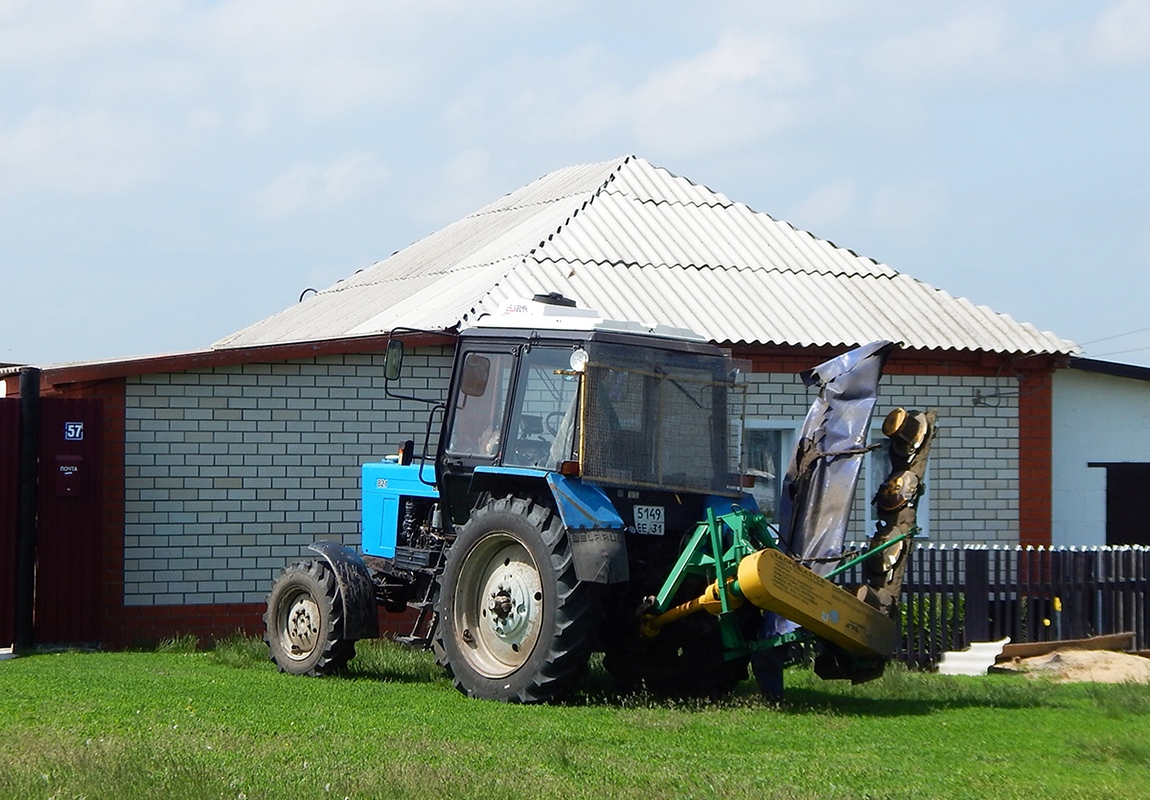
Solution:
(218, 467)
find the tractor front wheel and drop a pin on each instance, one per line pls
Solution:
(303, 619)
(514, 623)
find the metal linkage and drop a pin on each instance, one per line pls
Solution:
(734, 536)
(750, 567)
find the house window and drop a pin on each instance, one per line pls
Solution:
(768, 446)
(767, 449)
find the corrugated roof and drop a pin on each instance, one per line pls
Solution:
(638, 242)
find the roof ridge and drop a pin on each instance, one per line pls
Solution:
(344, 284)
(722, 201)
(566, 223)
(484, 212)
(522, 261)
(730, 203)
(733, 267)
(515, 259)
(674, 201)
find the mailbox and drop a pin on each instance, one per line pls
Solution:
(69, 476)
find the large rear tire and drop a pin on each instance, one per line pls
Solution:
(303, 620)
(515, 624)
(687, 659)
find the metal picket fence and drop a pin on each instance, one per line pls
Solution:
(953, 596)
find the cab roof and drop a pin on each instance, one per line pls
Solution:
(553, 314)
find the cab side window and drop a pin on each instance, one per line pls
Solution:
(477, 422)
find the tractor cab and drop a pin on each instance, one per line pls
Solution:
(547, 393)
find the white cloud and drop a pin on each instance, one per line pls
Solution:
(80, 151)
(736, 91)
(37, 34)
(306, 187)
(466, 169)
(250, 66)
(555, 97)
(1122, 33)
(326, 59)
(977, 44)
(908, 210)
(985, 43)
(736, 59)
(87, 80)
(736, 88)
(309, 57)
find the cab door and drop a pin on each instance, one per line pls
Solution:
(476, 419)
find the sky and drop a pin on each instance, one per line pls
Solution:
(171, 172)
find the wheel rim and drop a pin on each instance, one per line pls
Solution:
(498, 605)
(298, 624)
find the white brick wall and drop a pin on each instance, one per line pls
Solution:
(231, 472)
(973, 476)
(973, 470)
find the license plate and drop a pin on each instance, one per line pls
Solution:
(649, 520)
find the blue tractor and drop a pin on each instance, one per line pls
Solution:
(578, 489)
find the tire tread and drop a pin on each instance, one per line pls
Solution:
(576, 614)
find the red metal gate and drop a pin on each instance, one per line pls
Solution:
(68, 522)
(9, 471)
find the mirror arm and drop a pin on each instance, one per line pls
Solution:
(396, 336)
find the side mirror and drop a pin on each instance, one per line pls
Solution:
(393, 359)
(476, 369)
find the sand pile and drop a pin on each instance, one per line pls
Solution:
(1082, 666)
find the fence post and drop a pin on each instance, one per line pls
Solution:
(976, 626)
(1141, 598)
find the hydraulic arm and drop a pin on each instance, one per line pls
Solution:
(769, 579)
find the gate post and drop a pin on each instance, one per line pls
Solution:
(976, 623)
(26, 506)
(9, 491)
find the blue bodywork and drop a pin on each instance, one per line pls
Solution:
(582, 506)
(383, 484)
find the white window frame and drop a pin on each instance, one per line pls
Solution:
(790, 430)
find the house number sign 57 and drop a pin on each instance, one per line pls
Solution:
(73, 431)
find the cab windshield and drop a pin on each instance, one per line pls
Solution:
(543, 425)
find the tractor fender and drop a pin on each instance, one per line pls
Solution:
(360, 617)
(594, 529)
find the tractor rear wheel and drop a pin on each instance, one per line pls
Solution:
(687, 659)
(515, 624)
(303, 620)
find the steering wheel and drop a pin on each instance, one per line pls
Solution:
(531, 452)
(552, 421)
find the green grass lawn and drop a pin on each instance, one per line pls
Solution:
(226, 724)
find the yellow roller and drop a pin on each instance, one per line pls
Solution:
(774, 582)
